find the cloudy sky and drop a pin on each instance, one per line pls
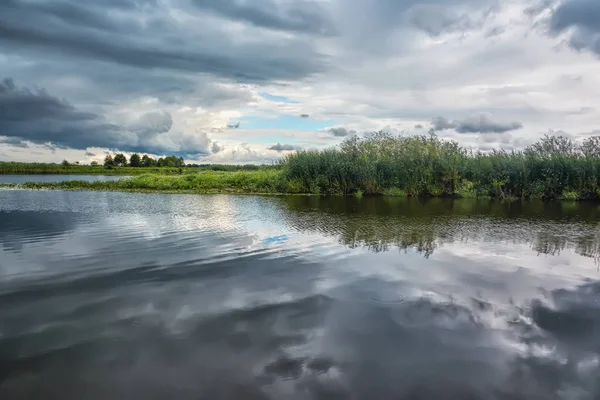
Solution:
(238, 81)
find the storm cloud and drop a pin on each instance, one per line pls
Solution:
(114, 33)
(167, 76)
(582, 17)
(478, 124)
(36, 116)
(297, 16)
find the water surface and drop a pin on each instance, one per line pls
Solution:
(58, 178)
(153, 296)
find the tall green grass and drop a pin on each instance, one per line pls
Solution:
(381, 164)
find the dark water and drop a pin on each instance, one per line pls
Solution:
(58, 178)
(138, 296)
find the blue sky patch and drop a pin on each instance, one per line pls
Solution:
(277, 99)
(288, 122)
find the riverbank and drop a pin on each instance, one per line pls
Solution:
(261, 181)
(21, 168)
(272, 182)
(377, 165)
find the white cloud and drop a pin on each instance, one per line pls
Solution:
(360, 64)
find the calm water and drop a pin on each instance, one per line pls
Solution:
(142, 296)
(58, 178)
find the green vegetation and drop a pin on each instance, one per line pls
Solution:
(379, 164)
(95, 169)
(261, 181)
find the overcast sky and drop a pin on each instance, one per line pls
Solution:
(238, 81)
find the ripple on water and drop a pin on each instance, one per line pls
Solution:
(115, 295)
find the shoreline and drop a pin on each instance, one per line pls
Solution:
(104, 186)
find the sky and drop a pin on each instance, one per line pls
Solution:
(247, 81)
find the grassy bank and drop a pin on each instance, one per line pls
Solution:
(15, 168)
(259, 181)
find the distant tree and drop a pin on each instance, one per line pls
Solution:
(148, 161)
(135, 160)
(591, 146)
(171, 161)
(109, 162)
(120, 160)
(65, 163)
(94, 163)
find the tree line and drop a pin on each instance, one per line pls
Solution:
(119, 160)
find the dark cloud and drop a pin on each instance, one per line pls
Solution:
(380, 21)
(14, 142)
(304, 116)
(159, 42)
(538, 8)
(89, 154)
(418, 126)
(296, 16)
(283, 147)
(480, 124)
(582, 19)
(36, 116)
(152, 123)
(216, 148)
(341, 131)
(435, 20)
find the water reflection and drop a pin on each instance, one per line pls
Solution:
(381, 224)
(120, 296)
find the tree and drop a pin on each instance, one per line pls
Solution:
(171, 161)
(94, 163)
(148, 161)
(65, 163)
(109, 162)
(135, 160)
(120, 160)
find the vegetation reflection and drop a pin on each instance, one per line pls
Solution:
(423, 225)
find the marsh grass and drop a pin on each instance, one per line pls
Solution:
(381, 164)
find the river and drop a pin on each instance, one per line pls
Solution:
(22, 178)
(156, 296)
